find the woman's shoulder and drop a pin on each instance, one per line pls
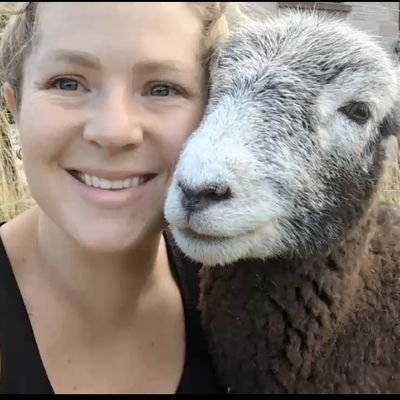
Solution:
(4, 259)
(17, 235)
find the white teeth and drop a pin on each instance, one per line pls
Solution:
(104, 184)
(97, 182)
(117, 184)
(87, 179)
(137, 181)
(127, 182)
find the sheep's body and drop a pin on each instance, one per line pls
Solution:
(329, 325)
(275, 192)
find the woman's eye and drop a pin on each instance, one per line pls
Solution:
(66, 84)
(163, 91)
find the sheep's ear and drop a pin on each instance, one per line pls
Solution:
(391, 124)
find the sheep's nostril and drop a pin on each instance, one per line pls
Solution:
(195, 200)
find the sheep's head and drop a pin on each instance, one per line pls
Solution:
(289, 149)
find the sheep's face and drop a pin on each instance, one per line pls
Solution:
(289, 148)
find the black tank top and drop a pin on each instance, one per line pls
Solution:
(22, 370)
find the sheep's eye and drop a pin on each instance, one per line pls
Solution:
(358, 112)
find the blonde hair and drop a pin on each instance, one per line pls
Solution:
(216, 18)
(16, 36)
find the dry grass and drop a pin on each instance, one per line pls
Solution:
(14, 197)
(391, 184)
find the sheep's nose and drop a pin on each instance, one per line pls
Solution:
(200, 199)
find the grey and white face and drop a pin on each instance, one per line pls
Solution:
(289, 148)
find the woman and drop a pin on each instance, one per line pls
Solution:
(93, 298)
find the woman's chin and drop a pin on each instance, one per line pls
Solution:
(113, 240)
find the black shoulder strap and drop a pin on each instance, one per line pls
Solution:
(186, 272)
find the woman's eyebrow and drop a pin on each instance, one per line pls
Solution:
(87, 60)
(74, 57)
(162, 66)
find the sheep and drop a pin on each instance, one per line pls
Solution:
(275, 196)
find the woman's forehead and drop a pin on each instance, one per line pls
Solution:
(168, 30)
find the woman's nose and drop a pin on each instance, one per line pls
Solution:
(115, 124)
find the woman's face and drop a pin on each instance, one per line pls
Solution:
(111, 91)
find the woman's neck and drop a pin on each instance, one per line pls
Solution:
(110, 286)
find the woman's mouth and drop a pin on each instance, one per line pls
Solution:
(111, 184)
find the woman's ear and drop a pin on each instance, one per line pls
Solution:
(10, 99)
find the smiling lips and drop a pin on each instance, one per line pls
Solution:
(111, 180)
